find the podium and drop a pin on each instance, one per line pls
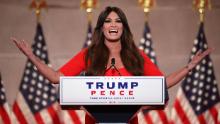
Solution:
(112, 99)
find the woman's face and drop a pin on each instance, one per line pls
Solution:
(112, 27)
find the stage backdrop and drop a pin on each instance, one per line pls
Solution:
(174, 26)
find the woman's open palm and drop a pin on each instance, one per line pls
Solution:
(23, 46)
(198, 57)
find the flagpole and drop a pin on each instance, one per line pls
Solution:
(146, 44)
(89, 6)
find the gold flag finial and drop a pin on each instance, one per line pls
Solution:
(38, 5)
(88, 5)
(146, 5)
(201, 5)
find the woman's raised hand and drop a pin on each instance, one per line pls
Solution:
(175, 77)
(46, 71)
(23, 46)
(198, 57)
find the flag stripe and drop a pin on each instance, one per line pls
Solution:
(154, 116)
(163, 116)
(65, 116)
(53, 115)
(148, 119)
(5, 116)
(141, 118)
(208, 117)
(19, 114)
(23, 107)
(174, 117)
(134, 120)
(82, 115)
(218, 109)
(38, 118)
(89, 120)
(5, 111)
(186, 107)
(201, 119)
(74, 116)
(45, 115)
(180, 112)
(214, 114)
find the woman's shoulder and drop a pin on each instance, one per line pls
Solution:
(83, 51)
(141, 52)
(144, 55)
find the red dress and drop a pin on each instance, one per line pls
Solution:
(77, 64)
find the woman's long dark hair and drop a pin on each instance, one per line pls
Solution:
(98, 54)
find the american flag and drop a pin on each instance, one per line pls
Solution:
(151, 116)
(197, 100)
(89, 35)
(154, 116)
(146, 44)
(88, 41)
(89, 119)
(36, 101)
(5, 112)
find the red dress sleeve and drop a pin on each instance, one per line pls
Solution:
(150, 69)
(75, 65)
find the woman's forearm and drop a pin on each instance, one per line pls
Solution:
(173, 78)
(49, 73)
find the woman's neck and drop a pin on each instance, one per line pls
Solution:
(114, 47)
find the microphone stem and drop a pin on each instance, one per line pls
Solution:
(117, 70)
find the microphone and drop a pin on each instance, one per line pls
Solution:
(113, 61)
(113, 66)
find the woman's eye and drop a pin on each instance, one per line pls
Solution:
(107, 21)
(119, 21)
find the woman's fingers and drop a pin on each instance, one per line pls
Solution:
(15, 41)
(200, 55)
(199, 52)
(18, 43)
(203, 54)
(208, 51)
(22, 45)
